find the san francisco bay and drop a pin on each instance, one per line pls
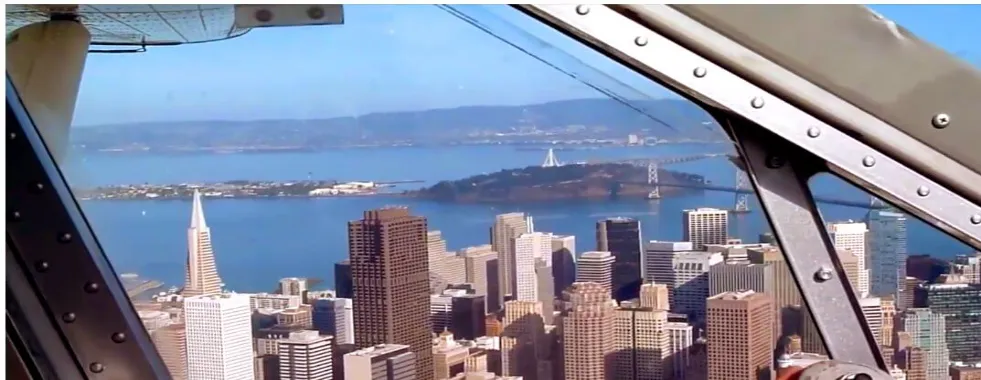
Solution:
(258, 241)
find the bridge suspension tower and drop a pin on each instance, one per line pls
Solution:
(652, 169)
(550, 160)
(743, 188)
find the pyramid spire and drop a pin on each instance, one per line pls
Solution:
(197, 212)
(201, 275)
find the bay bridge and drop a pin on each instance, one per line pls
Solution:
(741, 188)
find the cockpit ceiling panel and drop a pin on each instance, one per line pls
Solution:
(138, 24)
(866, 60)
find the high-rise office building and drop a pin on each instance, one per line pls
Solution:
(968, 266)
(449, 357)
(960, 304)
(507, 228)
(622, 238)
(786, 295)
(655, 296)
(596, 267)
(467, 316)
(171, 343)
(681, 340)
(389, 270)
(925, 330)
(642, 344)
(872, 312)
(705, 226)
(739, 328)
(481, 271)
(691, 282)
(201, 274)
(736, 276)
(886, 252)
(293, 286)
(522, 339)
(219, 337)
(383, 362)
(659, 259)
(528, 248)
(445, 267)
(343, 288)
(335, 316)
(545, 289)
(306, 355)
(852, 237)
(587, 328)
(563, 261)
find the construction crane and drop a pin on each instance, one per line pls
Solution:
(897, 118)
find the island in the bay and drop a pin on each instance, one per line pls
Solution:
(533, 183)
(574, 181)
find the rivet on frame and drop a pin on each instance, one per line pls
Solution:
(582, 10)
(13, 135)
(923, 191)
(37, 187)
(941, 120)
(640, 41)
(68, 317)
(91, 287)
(64, 237)
(97, 367)
(823, 274)
(15, 215)
(976, 219)
(757, 102)
(813, 132)
(42, 266)
(700, 72)
(868, 161)
(119, 337)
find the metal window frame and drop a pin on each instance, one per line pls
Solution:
(790, 212)
(75, 306)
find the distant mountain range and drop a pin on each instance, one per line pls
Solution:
(596, 118)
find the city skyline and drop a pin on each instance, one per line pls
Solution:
(737, 281)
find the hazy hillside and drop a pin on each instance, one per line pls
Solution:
(422, 126)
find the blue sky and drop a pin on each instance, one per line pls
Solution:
(388, 58)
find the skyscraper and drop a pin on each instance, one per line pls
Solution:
(655, 296)
(201, 276)
(528, 248)
(739, 328)
(506, 228)
(643, 345)
(960, 304)
(658, 260)
(389, 270)
(596, 267)
(382, 362)
(335, 316)
(342, 279)
(887, 252)
(691, 283)
(622, 238)
(587, 327)
(563, 261)
(851, 237)
(522, 338)
(480, 264)
(305, 355)
(219, 337)
(705, 226)
(926, 331)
